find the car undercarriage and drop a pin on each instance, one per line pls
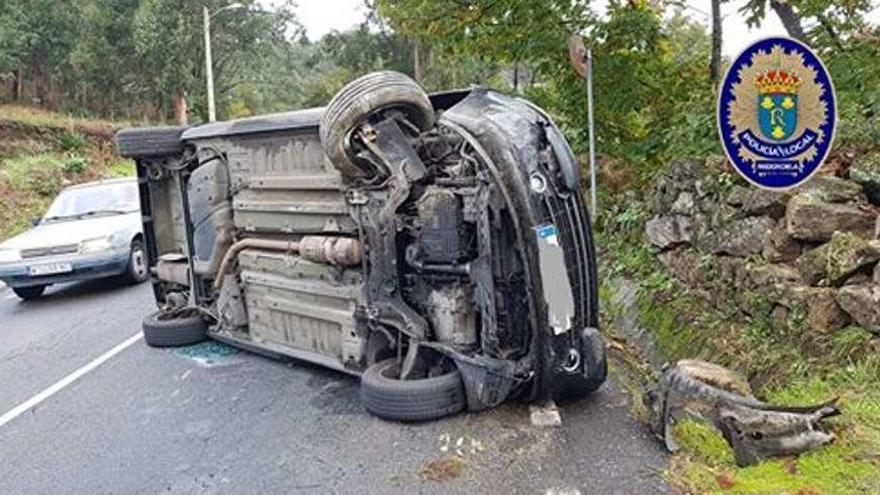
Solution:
(438, 246)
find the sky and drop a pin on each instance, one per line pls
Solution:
(321, 16)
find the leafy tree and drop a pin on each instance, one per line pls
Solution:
(168, 39)
(832, 19)
(500, 30)
(650, 75)
(35, 37)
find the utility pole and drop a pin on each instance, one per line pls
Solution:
(417, 61)
(581, 58)
(591, 131)
(209, 63)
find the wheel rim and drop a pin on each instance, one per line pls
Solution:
(139, 264)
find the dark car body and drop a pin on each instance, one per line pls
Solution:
(466, 236)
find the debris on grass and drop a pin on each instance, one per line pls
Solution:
(754, 429)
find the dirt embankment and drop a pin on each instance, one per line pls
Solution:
(41, 153)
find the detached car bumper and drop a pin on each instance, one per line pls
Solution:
(82, 267)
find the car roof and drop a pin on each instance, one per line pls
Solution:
(104, 182)
(297, 119)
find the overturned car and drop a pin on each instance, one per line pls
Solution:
(436, 246)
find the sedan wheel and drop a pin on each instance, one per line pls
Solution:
(138, 271)
(28, 293)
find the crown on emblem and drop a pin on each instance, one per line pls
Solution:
(777, 81)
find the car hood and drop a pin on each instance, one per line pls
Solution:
(72, 232)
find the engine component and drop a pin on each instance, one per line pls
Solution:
(342, 251)
(232, 253)
(452, 314)
(442, 237)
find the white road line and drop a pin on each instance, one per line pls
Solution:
(67, 380)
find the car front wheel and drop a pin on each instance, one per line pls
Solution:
(137, 271)
(388, 396)
(28, 293)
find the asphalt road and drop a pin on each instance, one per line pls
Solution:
(209, 419)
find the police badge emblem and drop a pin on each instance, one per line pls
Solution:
(777, 113)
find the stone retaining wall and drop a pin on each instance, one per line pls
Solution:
(807, 258)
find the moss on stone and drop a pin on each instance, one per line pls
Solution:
(866, 168)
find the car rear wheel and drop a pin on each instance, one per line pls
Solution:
(362, 98)
(138, 270)
(28, 293)
(387, 396)
(163, 329)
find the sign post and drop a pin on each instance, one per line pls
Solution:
(582, 60)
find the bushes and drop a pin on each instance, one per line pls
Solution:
(72, 141)
(74, 165)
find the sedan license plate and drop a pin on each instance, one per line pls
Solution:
(50, 269)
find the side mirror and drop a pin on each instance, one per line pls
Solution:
(36, 221)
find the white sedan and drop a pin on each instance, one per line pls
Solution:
(90, 231)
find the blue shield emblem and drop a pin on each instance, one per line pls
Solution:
(777, 115)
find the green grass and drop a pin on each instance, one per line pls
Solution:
(27, 185)
(851, 465)
(43, 118)
(120, 168)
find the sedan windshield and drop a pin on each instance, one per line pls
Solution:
(101, 199)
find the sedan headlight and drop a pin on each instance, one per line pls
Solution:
(10, 255)
(96, 245)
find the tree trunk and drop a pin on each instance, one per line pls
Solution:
(715, 63)
(790, 19)
(18, 85)
(39, 80)
(516, 77)
(180, 110)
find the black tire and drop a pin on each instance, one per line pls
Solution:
(410, 400)
(161, 330)
(150, 142)
(137, 271)
(362, 98)
(28, 293)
